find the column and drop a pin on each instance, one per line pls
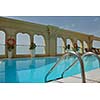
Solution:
(52, 44)
(11, 33)
(51, 41)
(31, 37)
(90, 41)
(47, 43)
(82, 47)
(65, 44)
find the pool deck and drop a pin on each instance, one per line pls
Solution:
(91, 77)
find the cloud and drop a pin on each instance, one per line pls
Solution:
(73, 25)
(70, 25)
(96, 19)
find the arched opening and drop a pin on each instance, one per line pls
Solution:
(85, 46)
(79, 46)
(69, 44)
(96, 47)
(2, 43)
(60, 45)
(40, 44)
(22, 44)
(96, 44)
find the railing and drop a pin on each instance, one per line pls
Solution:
(91, 53)
(24, 49)
(84, 55)
(67, 54)
(68, 68)
(81, 62)
(29, 45)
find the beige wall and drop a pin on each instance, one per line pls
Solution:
(50, 33)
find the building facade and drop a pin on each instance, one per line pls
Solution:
(50, 34)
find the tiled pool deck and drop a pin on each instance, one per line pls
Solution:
(91, 77)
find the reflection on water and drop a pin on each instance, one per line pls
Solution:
(34, 70)
(10, 69)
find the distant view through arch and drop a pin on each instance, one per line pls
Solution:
(2, 42)
(69, 42)
(40, 44)
(23, 43)
(60, 45)
(96, 44)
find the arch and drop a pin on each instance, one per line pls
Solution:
(39, 40)
(96, 44)
(22, 43)
(85, 46)
(60, 45)
(69, 42)
(2, 42)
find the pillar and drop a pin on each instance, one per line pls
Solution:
(31, 37)
(47, 43)
(90, 41)
(52, 45)
(82, 47)
(65, 44)
(11, 33)
(51, 41)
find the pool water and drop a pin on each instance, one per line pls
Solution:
(27, 70)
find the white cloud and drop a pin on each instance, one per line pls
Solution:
(73, 25)
(96, 19)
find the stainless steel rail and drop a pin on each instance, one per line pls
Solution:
(91, 53)
(67, 54)
(84, 55)
(68, 68)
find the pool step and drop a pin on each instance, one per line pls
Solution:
(91, 77)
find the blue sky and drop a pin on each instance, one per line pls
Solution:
(85, 24)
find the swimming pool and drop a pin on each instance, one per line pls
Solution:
(26, 70)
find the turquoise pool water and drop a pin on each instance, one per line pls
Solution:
(26, 70)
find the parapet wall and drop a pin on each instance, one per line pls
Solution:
(50, 33)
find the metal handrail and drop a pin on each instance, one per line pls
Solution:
(55, 66)
(91, 53)
(68, 53)
(68, 68)
(84, 55)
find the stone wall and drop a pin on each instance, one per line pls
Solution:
(50, 33)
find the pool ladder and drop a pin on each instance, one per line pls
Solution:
(70, 53)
